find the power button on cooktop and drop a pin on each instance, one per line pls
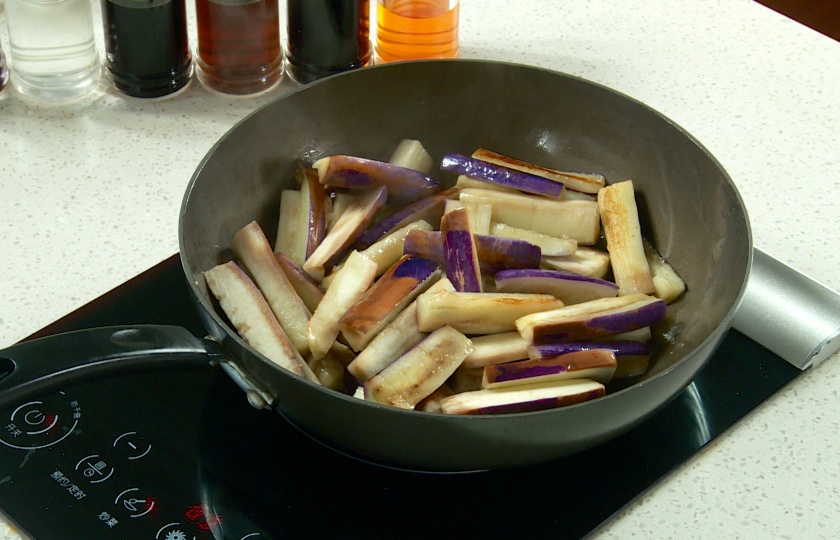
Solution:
(40, 423)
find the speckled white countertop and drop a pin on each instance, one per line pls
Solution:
(90, 194)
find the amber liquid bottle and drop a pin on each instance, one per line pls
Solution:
(239, 49)
(326, 37)
(146, 46)
(415, 29)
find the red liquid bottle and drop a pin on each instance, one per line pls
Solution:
(239, 48)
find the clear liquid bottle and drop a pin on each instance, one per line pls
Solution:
(326, 37)
(147, 53)
(239, 49)
(52, 48)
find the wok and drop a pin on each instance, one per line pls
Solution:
(692, 213)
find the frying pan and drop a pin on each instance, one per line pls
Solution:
(692, 213)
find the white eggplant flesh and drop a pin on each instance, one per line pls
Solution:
(340, 203)
(480, 218)
(429, 209)
(411, 154)
(595, 364)
(496, 349)
(309, 291)
(585, 261)
(568, 287)
(250, 315)
(666, 281)
(386, 298)
(397, 338)
(495, 173)
(431, 403)
(419, 372)
(255, 256)
(460, 255)
(592, 319)
(552, 246)
(572, 219)
(287, 226)
(632, 357)
(644, 334)
(623, 232)
(355, 277)
(404, 185)
(386, 251)
(583, 182)
(479, 313)
(352, 224)
(523, 398)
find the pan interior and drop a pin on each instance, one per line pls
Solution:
(691, 211)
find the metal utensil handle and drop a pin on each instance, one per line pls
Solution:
(789, 313)
(51, 363)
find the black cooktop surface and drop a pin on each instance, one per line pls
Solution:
(182, 456)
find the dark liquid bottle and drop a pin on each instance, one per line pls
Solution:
(146, 48)
(239, 49)
(327, 36)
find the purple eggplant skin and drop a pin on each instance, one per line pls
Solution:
(307, 288)
(569, 287)
(403, 185)
(429, 209)
(632, 357)
(500, 175)
(460, 255)
(599, 364)
(619, 348)
(494, 254)
(644, 312)
(317, 219)
(523, 398)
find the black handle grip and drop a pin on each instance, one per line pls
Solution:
(40, 366)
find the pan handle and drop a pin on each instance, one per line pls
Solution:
(40, 366)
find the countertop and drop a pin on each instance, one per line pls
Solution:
(90, 193)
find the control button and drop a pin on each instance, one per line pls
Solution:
(38, 424)
(132, 500)
(96, 470)
(134, 445)
(172, 531)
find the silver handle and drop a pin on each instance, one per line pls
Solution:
(789, 313)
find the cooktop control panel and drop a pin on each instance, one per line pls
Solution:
(102, 462)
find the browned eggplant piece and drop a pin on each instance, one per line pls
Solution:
(391, 293)
(404, 185)
(350, 225)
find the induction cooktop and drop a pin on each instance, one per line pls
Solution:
(182, 456)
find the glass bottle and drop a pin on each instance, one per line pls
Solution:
(239, 49)
(415, 29)
(326, 37)
(147, 52)
(52, 48)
